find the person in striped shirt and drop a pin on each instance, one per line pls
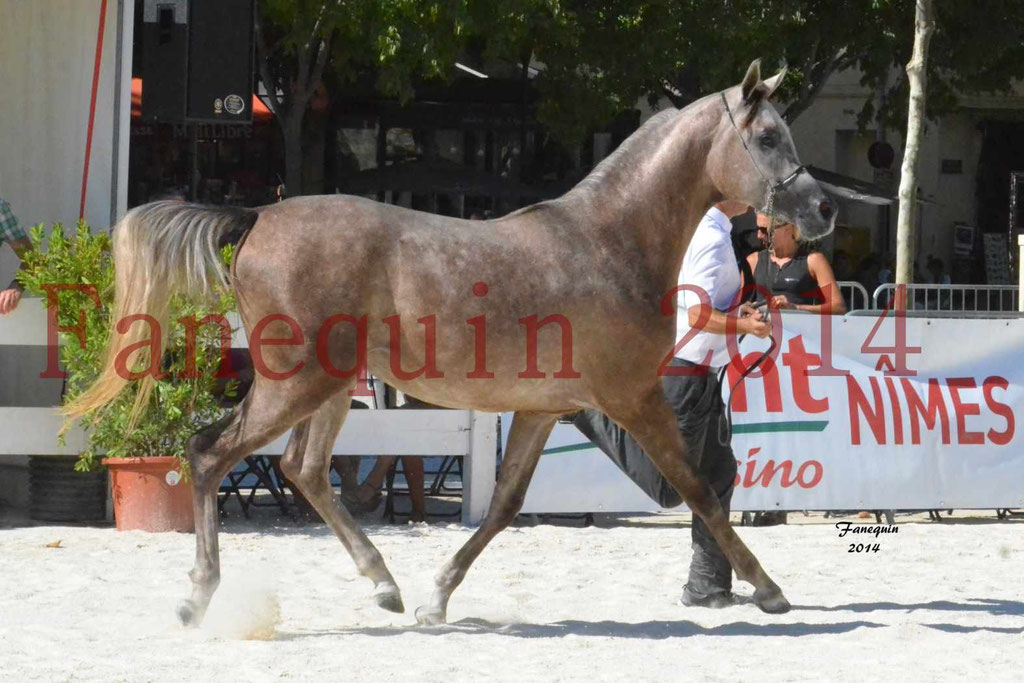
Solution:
(12, 234)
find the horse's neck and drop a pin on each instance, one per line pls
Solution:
(654, 194)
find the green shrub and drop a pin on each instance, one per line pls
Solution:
(179, 406)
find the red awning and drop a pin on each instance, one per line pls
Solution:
(259, 110)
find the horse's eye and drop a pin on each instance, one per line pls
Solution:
(767, 139)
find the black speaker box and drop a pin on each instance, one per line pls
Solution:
(198, 60)
(220, 56)
(164, 60)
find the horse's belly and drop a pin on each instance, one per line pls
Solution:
(508, 366)
(493, 395)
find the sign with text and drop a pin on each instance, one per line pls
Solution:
(855, 412)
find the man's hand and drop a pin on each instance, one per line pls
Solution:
(752, 322)
(9, 299)
(748, 309)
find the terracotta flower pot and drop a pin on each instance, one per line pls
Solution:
(150, 494)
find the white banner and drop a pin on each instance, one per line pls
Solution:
(904, 413)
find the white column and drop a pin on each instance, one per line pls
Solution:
(479, 467)
(122, 111)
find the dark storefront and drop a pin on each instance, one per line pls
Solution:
(469, 147)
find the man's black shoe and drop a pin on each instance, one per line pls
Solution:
(713, 601)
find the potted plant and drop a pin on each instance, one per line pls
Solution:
(145, 453)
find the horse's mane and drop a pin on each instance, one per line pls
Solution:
(642, 144)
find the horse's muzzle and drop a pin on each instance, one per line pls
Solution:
(805, 204)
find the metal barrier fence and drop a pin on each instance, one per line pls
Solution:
(854, 294)
(941, 299)
(951, 298)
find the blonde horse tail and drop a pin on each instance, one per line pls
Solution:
(159, 249)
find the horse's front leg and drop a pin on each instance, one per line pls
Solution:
(526, 440)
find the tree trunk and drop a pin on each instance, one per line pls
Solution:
(924, 24)
(314, 137)
(291, 130)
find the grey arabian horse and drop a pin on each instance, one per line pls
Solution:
(453, 315)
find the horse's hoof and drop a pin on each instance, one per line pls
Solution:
(187, 614)
(771, 601)
(429, 616)
(388, 597)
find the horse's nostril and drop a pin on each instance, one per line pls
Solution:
(826, 209)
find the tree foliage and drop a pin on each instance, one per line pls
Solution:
(598, 57)
(700, 46)
(601, 55)
(977, 48)
(398, 42)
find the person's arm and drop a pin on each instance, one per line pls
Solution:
(11, 232)
(703, 280)
(749, 321)
(823, 276)
(834, 303)
(11, 295)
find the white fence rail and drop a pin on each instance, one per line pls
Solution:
(33, 431)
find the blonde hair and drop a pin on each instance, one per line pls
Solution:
(776, 223)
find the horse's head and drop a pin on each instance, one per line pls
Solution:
(753, 158)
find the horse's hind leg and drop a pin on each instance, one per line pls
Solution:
(525, 442)
(653, 425)
(306, 462)
(266, 412)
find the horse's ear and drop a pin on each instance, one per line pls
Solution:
(750, 81)
(775, 81)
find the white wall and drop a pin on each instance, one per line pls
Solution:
(958, 137)
(825, 127)
(47, 54)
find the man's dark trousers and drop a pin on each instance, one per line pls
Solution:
(696, 401)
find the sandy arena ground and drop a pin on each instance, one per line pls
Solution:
(543, 603)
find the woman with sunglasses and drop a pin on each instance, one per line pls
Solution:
(796, 277)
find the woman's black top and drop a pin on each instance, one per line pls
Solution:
(793, 279)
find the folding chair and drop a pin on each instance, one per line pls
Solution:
(253, 473)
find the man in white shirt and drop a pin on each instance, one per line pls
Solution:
(695, 396)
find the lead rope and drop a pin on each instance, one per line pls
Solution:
(725, 433)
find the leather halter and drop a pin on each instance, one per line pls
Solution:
(771, 189)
